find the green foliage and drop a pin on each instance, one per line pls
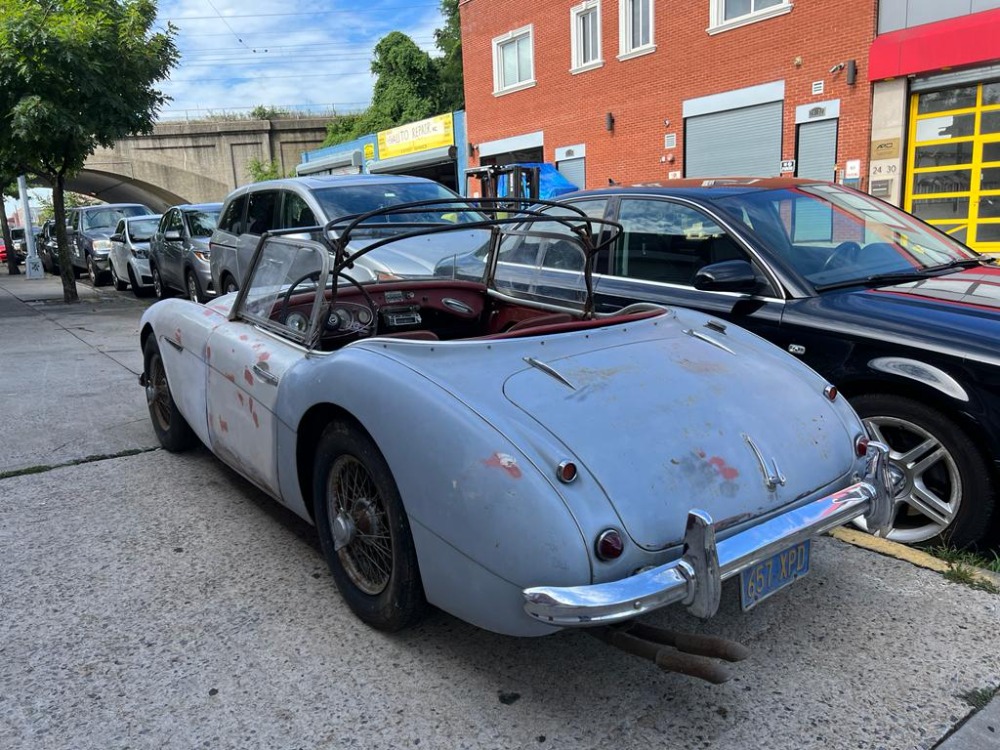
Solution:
(411, 84)
(46, 208)
(451, 81)
(76, 75)
(262, 112)
(260, 170)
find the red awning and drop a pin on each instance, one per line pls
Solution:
(957, 42)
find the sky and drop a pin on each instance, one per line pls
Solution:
(294, 54)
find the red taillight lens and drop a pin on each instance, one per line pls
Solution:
(609, 544)
(861, 445)
(830, 392)
(566, 471)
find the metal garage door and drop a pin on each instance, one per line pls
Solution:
(744, 141)
(816, 157)
(573, 170)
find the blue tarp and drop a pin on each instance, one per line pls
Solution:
(551, 183)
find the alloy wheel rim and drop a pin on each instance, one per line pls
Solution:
(926, 483)
(157, 284)
(360, 525)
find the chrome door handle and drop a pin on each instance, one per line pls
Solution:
(266, 375)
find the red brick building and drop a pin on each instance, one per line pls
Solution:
(634, 90)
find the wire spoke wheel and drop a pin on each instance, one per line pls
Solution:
(158, 393)
(366, 546)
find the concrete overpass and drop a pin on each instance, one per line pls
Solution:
(194, 162)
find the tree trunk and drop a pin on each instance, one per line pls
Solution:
(8, 242)
(65, 262)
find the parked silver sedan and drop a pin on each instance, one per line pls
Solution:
(129, 255)
(179, 251)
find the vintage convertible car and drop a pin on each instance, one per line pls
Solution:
(493, 448)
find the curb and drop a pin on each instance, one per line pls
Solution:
(911, 555)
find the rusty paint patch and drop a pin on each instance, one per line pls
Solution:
(208, 352)
(243, 337)
(248, 376)
(257, 346)
(223, 424)
(256, 421)
(177, 336)
(230, 377)
(725, 471)
(239, 395)
(264, 356)
(208, 312)
(506, 462)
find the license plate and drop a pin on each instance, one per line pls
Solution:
(761, 580)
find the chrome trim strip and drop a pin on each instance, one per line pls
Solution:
(696, 577)
(707, 339)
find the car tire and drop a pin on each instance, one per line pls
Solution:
(138, 291)
(943, 484)
(229, 284)
(172, 430)
(355, 499)
(120, 285)
(193, 288)
(160, 289)
(96, 277)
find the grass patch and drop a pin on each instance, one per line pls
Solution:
(75, 462)
(951, 556)
(960, 573)
(979, 698)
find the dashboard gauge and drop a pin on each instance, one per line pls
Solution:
(364, 316)
(339, 319)
(297, 322)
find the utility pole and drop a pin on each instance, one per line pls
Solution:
(33, 265)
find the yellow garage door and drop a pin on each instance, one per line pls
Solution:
(954, 163)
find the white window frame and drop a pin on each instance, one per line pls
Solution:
(499, 42)
(576, 13)
(625, 51)
(717, 15)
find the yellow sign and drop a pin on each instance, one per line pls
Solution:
(434, 132)
(369, 151)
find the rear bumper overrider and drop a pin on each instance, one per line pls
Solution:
(695, 579)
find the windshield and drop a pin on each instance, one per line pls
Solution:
(142, 230)
(834, 236)
(202, 223)
(350, 200)
(107, 218)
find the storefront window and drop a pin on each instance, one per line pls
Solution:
(943, 101)
(943, 155)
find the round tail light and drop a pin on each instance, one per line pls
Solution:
(609, 544)
(861, 446)
(566, 471)
(830, 392)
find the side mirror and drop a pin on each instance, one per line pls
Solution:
(172, 235)
(727, 276)
(117, 238)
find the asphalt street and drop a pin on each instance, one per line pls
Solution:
(153, 600)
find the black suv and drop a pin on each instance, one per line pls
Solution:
(89, 229)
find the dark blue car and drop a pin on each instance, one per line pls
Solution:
(903, 319)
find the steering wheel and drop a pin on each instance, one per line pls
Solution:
(366, 329)
(844, 254)
(286, 298)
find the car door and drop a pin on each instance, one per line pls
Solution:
(249, 354)
(119, 253)
(172, 249)
(262, 216)
(665, 243)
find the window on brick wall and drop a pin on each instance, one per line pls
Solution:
(513, 61)
(585, 27)
(635, 28)
(729, 14)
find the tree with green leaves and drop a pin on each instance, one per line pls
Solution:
(75, 75)
(451, 80)
(411, 84)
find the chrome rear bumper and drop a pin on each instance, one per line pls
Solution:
(695, 579)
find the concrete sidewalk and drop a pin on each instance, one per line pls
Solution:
(68, 373)
(157, 600)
